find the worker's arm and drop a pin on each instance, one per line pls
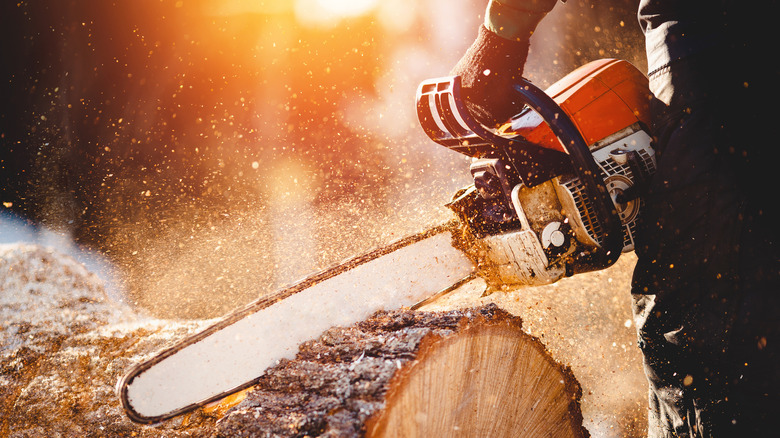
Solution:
(496, 58)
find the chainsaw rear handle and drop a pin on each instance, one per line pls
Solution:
(442, 113)
(444, 117)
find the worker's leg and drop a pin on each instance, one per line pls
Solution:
(705, 285)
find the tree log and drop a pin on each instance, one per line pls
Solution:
(408, 374)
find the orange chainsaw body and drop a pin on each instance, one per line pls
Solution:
(601, 98)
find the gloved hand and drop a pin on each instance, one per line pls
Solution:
(496, 58)
(487, 70)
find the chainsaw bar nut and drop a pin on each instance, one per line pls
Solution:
(552, 235)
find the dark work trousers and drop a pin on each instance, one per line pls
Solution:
(706, 294)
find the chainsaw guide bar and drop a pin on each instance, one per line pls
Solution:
(234, 353)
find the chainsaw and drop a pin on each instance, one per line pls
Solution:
(555, 192)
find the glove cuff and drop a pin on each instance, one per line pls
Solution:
(516, 20)
(489, 56)
(488, 39)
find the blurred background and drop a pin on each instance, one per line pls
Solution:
(214, 149)
(201, 153)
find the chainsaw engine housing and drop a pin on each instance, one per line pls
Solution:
(539, 208)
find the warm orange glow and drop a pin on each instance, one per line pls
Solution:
(347, 8)
(329, 12)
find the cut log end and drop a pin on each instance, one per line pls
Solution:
(486, 379)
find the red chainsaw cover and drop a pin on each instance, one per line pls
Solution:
(601, 97)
